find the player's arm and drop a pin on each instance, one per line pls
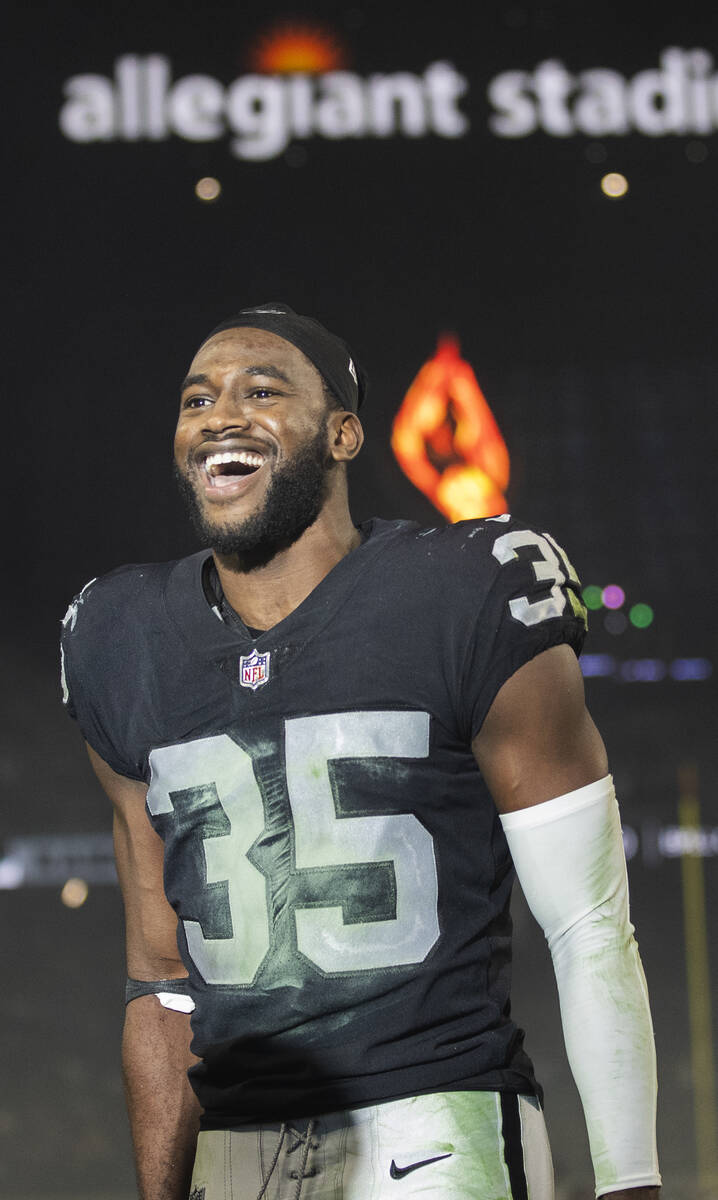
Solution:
(545, 764)
(163, 1109)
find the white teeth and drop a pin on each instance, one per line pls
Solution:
(248, 458)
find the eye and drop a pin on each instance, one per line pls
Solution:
(262, 393)
(196, 401)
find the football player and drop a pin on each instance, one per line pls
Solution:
(328, 748)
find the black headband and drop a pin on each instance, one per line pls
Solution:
(329, 354)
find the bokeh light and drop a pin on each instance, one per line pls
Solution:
(641, 615)
(614, 185)
(596, 152)
(696, 152)
(615, 622)
(613, 596)
(690, 669)
(592, 596)
(74, 893)
(207, 188)
(643, 670)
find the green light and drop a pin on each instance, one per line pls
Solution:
(641, 615)
(593, 596)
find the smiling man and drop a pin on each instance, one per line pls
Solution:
(327, 748)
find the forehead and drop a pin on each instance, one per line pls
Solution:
(238, 349)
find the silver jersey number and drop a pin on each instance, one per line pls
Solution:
(550, 566)
(324, 840)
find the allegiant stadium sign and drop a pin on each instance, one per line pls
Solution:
(264, 113)
(261, 113)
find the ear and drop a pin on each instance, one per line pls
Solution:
(346, 436)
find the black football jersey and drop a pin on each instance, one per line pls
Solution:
(336, 863)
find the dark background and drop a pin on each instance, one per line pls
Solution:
(590, 324)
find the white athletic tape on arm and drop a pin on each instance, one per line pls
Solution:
(171, 993)
(569, 859)
(175, 1001)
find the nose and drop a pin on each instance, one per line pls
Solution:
(228, 412)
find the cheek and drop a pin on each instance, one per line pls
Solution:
(180, 442)
(301, 429)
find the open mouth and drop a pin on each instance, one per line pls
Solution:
(225, 469)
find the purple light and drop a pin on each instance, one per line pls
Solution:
(643, 670)
(690, 669)
(597, 664)
(613, 596)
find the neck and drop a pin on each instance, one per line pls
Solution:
(265, 595)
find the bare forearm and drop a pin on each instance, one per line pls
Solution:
(163, 1109)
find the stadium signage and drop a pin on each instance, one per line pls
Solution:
(263, 113)
(680, 97)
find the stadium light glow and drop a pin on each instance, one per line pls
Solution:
(615, 622)
(74, 893)
(207, 188)
(690, 670)
(613, 596)
(298, 48)
(641, 615)
(447, 442)
(592, 596)
(643, 670)
(614, 185)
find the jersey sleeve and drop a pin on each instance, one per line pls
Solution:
(68, 683)
(533, 603)
(89, 654)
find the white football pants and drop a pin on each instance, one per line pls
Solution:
(447, 1146)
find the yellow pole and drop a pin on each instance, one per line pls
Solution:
(699, 987)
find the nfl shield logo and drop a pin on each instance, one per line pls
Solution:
(254, 669)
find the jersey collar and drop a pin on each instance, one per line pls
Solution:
(207, 636)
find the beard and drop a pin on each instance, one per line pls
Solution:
(295, 495)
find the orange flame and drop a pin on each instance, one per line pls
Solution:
(447, 442)
(293, 48)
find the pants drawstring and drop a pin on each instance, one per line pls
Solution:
(275, 1160)
(302, 1139)
(305, 1156)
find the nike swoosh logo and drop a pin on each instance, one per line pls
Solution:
(400, 1172)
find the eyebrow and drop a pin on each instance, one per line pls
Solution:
(270, 371)
(191, 380)
(266, 369)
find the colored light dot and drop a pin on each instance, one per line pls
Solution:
(691, 668)
(696, 152)
(597, 664)
(207, 188)
(74, 893)
(596, 153)
(12, 873)
(614, 185)
(613, 596)
(643, 670)
(615, 622)
(592, 596)
(641, 615)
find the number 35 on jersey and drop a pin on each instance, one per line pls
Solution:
(217, 776)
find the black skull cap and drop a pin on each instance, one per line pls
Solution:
(329, 354)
